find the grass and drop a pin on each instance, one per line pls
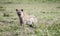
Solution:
(26, 1)
(46, 11)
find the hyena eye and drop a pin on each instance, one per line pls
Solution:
(21, 9)
(16, 9)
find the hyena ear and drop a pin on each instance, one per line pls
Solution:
(16, 9)
(22, 10)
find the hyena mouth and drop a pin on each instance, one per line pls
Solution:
(19, 14)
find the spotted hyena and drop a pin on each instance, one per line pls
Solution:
(25, 18)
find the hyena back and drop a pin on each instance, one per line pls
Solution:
(25, 18)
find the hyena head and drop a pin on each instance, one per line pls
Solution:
(19, 12)
(20, 15)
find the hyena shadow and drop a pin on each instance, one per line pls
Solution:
(26, 19)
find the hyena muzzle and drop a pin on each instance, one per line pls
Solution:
(25, 18)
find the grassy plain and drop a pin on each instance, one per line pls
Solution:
(46, 11)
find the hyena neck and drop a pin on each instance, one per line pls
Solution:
(21, 20)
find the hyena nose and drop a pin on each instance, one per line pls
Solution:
(19, 14)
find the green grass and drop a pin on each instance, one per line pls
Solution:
(46, 11)
(26, 1)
